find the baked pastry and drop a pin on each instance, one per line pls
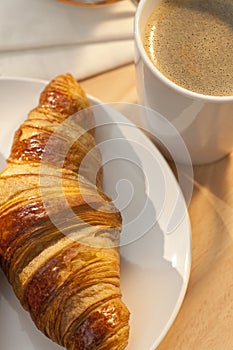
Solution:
(59, 233)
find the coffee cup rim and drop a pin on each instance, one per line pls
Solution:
(156, 72)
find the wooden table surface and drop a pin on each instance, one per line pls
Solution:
(205, 320)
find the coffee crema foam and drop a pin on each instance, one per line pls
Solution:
(191, 43)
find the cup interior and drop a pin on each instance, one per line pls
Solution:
(144, 10)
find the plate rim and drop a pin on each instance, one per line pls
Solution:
(188, 262)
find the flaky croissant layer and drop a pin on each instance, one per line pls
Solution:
(58, 231)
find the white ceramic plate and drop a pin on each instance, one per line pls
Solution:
(155, 267)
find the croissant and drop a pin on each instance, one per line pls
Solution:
(59, 233)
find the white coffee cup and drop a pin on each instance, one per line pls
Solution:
(204, 122)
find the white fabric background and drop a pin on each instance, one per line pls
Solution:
(42, 38)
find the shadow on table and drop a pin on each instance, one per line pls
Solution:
(216, 177)
(211, 212)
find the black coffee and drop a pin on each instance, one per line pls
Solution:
(191, 43)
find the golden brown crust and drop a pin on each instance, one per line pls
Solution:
(99, 327)
(58, 231)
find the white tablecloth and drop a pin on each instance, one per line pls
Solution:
(42, 38)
